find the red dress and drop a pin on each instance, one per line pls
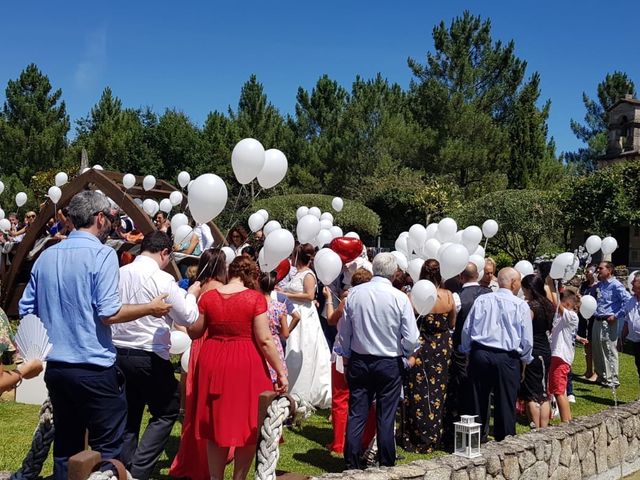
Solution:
(231, 372)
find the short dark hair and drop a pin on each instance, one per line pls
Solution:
(213, 265)
(155, 242)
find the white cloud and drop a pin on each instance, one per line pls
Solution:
(90, 69)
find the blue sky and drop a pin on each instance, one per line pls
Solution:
(194, 56)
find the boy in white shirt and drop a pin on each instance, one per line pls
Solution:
(563, 334)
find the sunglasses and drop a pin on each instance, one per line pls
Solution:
(30, 216)
(108, 216)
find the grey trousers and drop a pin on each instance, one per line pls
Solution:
(605, 353)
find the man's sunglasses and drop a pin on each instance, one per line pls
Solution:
(108, 216)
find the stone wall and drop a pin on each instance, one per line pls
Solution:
(601, 446)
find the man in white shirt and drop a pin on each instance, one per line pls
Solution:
(143, 352)
(631, 329)
(378, 329)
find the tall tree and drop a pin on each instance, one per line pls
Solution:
(594, 131)
(33, 125)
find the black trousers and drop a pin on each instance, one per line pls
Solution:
(498, 372)
(372, 377)
(150, 382)
(636, 354)
(85, 397)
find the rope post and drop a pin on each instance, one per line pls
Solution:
(81, 464)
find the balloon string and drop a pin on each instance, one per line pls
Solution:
(486, 240)
(243, 212)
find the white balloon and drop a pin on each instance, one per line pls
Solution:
(480, 251)
(471, 235)
(414, 268)
(336, 231)
(175, 198)
(609, 245)
(327, 216)
(401, 259)
(5, 225)
(189, 185)
(423, 295)
(337, 204)
(323, 238)
(308, 227)
(180, 342)
(256, 222)
(207, 197)
(441, 250)
(1, 187)
(479, 262)
(402, 245)
(430, 249)
(148, 182)
(247, 159)
(138, 202)
(447, 228)
(490, 228)
(453, 260)
(457, 238)
(352, 235)
(632, 275)
(128, 181)
(432, 230)
(178, 220)
(315, 211)
(21, 199)
(1, 214)
(301, 212)
(97, 167)
(564, 266)
(325, 224)
(264, 214)
(165, 205)
(60, 179)
(182, 234)
(327, 265)
(183, 179)
(588, 306)
(54, 194)
(151, 207)
(86, 169)
(270, 227)
(418, 235)
(184, 360)
(229, 254)
(277, 246)
(524, 267)
(274, 169)
(593, 244)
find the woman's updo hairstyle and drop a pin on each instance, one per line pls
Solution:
(303, 254)
(431, 271)
(246, 270)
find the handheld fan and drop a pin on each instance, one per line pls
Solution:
(31, 339)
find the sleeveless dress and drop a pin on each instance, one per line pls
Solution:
(275, 312)
(231, 372)
(308, 357)
(536, 374)
(425, 384)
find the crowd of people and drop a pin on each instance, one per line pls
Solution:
(355, 346)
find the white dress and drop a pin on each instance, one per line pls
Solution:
(308, 357)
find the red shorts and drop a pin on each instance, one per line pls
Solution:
(558, 376)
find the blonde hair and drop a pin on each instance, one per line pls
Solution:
(192, 271)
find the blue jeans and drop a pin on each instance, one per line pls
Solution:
(85, 397)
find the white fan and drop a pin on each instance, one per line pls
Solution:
(32, 340)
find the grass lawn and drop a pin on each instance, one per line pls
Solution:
(304, 451)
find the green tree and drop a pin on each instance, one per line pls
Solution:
(594, 130)
(33, 125)
(179, 145)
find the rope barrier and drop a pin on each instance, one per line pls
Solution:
(40, 445)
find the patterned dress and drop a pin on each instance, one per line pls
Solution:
(275, 312)
(425, 384)
(5, 335)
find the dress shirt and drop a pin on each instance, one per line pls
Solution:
(456, 296)
(611, 296)
(140, 282)
(205, 238)
(72, 287)
(632, 317)
(378, 320)
(499, 320)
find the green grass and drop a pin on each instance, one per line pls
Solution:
(303, 450)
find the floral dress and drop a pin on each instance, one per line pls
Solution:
(425, 384)
(5, 335)
(275, 312)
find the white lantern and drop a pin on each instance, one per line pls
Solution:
(467, 437)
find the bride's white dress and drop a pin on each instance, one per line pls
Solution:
(308, 357)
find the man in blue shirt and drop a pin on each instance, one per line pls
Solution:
(611, 296)
(498, 335)
(73, 288)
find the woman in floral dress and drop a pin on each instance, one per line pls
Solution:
(425, 385)
(277, 313)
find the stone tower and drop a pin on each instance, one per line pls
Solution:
(624, 132)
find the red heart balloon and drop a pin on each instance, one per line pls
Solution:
(282, 269)
(348, 248)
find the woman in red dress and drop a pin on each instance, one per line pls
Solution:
(191, 459)
(231, 372)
